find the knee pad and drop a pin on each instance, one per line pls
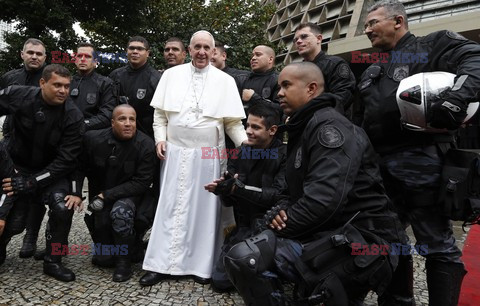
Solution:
(58, 208)
(123, 216)
(252, 256)
(245, 264)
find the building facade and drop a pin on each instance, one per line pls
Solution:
(4, 28)
(342, 23)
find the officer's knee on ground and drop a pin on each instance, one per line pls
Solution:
(58, 208)
(251, 256)
(123, 217)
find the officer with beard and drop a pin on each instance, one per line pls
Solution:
(118, 164)
(91, 92)
(44, 147)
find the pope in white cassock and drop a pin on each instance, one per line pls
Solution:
(194, 104)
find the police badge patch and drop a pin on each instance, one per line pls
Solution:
(298, 159)
(343, 71)
(91, 98)
(400, 73)
(330, 136)
(141, 93)
(266, 92)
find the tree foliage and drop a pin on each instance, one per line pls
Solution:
(108, 25)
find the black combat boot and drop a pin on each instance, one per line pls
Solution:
(400, 290)
(123, 267)
(34, 222)
(444, 280)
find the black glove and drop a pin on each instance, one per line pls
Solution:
(445, 114)
(224, 188)
(96, 204)
(283, 204)
(23, 184)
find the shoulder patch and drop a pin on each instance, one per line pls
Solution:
(455, 35)
(343, 71)
(400, 73)
(330, 136)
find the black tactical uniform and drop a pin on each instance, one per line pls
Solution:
(93, 94)
(35, 215)
(331, 176)
(339, 79)
(123, 172)
(267, 174)
(411, 162)
(21, 76)
(138, 85)
(265, 85)
(238, 75)
(44, 146)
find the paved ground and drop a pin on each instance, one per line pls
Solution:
(22, 282)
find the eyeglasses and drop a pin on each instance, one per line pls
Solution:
(302, 37)
(139, 48)
(371, 23)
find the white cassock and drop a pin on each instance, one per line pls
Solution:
(193, 108)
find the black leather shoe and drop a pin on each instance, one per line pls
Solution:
(201, 280)
(122, 273)
(39, 255)
(151, 278)
(28, 249)
(58, 271)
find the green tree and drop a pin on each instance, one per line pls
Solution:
(238, 24)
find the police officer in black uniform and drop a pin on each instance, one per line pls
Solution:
(255, 177)
(339, 79)
(92, 92)
(411, 162)
(332, 180)
(261, 86)
(136, 82)
(44, 146)
(33, 56)
(118, 164)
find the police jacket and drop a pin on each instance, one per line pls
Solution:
(22, 77)
(260, 168)
(46, 140)
(238, 75)
(138, 85)
(339, 79)
(117, 168)
(93, 95)
(438, 51)
(265, 85)
(332, 174)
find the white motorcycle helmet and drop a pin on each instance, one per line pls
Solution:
(413, 96)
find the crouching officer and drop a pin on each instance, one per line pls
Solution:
(336, 198)
(118, 164)
(255, 177)
(44, 145)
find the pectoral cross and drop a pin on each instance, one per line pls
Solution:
(197, 110)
